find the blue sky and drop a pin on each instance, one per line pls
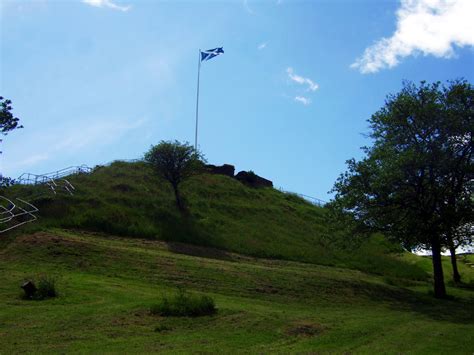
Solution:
(98, 80)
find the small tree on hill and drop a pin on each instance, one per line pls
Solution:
(175, 162)
(416, 181)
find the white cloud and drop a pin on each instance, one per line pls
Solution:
(247, 7)
(31, 160)
(304, 100)
(106, 3)
(96, 134)
(82, 137)
(262, 46)
(429, 27)
(312, 86)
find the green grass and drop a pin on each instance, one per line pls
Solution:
(127, 199)
(107, 286)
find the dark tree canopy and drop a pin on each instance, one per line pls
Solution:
(7, 121)
(175, 162)
(415, 182)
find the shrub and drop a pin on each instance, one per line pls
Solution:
(46, 288)
(184, 304)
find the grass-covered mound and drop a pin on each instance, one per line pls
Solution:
(128, 199)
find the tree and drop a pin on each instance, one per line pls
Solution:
(415, 183)
(7, 121)
(462, 236)
(175, 162)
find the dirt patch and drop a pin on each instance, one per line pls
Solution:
(43, 244)
(304, 329)
(42, 238)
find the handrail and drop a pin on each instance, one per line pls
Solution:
(78, 169)
(7, 210)
(42, 178)
(52, 180)
(313, 200)
(24, 212)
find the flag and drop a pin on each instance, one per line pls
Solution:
(211, 53)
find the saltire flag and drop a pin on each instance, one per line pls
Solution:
(211, 53)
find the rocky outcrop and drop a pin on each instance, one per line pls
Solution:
(251, 179)
(248, 178)
(225, 169)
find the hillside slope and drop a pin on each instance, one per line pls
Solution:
(107, 285)
(128, 199)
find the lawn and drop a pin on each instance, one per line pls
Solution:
(107, 285)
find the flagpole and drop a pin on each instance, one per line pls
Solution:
(197, 103)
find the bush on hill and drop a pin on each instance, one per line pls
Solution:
(184, 304)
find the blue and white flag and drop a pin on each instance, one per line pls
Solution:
(211, 53)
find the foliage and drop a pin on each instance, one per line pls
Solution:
(415, 182)
(46, 287)
(175, 162)
(184, 304)
(6, 181)
(7, 121)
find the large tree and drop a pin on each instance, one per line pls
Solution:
(415, 183)
(175, 162)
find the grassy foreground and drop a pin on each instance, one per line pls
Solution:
(108, 284)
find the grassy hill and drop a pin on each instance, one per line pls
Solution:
(128, 199)
(281, 279)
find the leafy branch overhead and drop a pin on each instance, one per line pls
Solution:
(7, 121)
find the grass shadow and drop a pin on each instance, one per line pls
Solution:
(199, 251)
(453, 309)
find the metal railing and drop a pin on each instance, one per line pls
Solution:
(314, 200)
(55, 179)
(19, 212)
(14, 214)
(72, 170)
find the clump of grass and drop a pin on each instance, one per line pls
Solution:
(184, 304)
(46, 288)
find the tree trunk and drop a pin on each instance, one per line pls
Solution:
(454, 263)
(439, 288)
(177, 196)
